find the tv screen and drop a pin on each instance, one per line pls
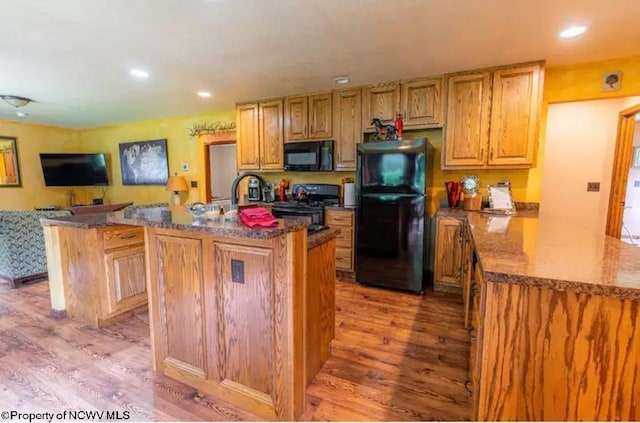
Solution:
(72, 170)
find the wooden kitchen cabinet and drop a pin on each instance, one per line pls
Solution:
(515, 116)
(347, 127)
(125, 287)
(248, 142)
(380, 101)
(493, 118)
(308, 117)
(468, 115)
(296, 118)
(422, 103)
(343, 220)
(271, 135)
(448, 265)
(260, 135)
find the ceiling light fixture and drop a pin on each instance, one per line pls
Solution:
(139, 73)
(573, 31)
(204, 94)
(15, 101)
(341, 80)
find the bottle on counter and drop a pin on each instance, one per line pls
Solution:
(399, 125)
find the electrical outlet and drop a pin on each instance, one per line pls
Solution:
(194, 184)
(237, 271)
(185, 167)
(636, 184)
(593, 186)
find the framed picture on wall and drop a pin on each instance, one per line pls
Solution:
(144, 162)
(635, 160)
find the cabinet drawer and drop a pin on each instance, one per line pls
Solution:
(122, 237)
(345, 238)
(344, 259)
(339, 218)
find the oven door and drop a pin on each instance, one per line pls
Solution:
(315, 217)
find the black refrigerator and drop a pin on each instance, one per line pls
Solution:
(391, 229)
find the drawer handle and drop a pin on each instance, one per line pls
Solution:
(467, 386)
(128, 236)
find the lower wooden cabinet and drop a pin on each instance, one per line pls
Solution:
(125, 286)
(343, 220)
(448, 270)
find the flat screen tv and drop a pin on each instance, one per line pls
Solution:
(74, 170)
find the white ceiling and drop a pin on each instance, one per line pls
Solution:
(73, 56)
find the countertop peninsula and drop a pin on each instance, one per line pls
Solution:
(551, 252)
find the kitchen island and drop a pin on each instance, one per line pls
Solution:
(555, 332)
(243, 314)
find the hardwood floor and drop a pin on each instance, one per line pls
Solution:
(395, 357)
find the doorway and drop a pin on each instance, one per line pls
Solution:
(223, 170)
(631, 213)
(622, 175)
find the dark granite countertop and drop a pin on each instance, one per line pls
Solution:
(321, 237)
(551, 252)
(341, 207)
(82, 221)
(162, 217)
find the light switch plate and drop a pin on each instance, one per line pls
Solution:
(185, 167)
(636, 184)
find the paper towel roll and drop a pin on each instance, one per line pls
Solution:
(349, 195)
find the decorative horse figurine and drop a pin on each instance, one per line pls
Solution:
(384, 132)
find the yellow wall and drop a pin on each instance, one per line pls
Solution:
(181, 149)
(32, 140)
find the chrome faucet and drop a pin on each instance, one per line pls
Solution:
(234, 185)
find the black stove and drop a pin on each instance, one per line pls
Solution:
(308, 203)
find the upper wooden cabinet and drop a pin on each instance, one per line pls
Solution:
(515, 116)
(347, 127)
(308, 117)
(421, 103)
(271, 135)
(468, 111)
(260, 133)
(248, 143)
(380, 101)
(493, 118)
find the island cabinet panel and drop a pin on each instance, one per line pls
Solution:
(248, 148)
(515, 116)
(558, 355)
(179, 274)
(243, 278)
(380, 101)
(347, 127)
(125, 279)
(271, 135)
(468, 116)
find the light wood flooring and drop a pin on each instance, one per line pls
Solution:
(395, 357)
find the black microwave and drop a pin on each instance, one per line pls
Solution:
(308, 156)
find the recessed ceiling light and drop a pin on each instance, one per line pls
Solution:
(573, 31)
(341, 80)
(139, 73)
(21, 114)
(204, 94)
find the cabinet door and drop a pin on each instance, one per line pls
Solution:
(248, 148)
(347, 127)
(380, 101)
(515, 116)
(320, 116)
(271, 135)
(448, 257)
(468, 112)
(422, 103)
(126, 280)
(296, 121)
(177, 306)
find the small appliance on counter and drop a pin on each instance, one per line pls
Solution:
(254, 193)
(308, 204)
(268, 194)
